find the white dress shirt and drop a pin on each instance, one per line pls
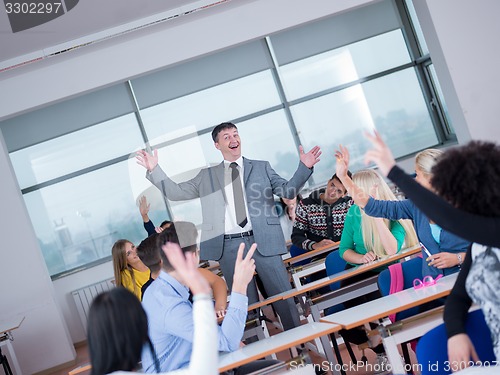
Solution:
(231, 226)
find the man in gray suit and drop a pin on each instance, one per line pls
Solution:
(237, 210)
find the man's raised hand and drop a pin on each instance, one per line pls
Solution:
(310, 158)
(148, 161)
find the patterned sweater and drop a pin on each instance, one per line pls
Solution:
(317, 220)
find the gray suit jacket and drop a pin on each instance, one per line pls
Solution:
(261, 184)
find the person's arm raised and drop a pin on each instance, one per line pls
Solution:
(186, 264)
(204, 357)
(380, 154)
(309, 158)
(357, 194)
(243, 270)
(148, 161)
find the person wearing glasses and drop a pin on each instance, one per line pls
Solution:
(128, 268)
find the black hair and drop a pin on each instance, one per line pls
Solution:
(221, 127)
(469, 177)
(149, 253)
(117, 332)
(165, 222)
(183, 233)
(335, 177)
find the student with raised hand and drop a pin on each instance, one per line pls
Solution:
(149, 253)
(319, 218)
(364, 239)
(467, 177)
(118, 326)
(148, 224)
(170, 312)
(467, 221)
(128, 268)
(447, 250)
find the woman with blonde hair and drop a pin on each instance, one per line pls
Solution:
(442, 251)
(129, 270)
(366, 238)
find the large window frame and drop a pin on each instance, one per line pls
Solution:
(260, 56)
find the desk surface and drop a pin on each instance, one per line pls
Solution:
(10, 324)
(391, 304)
(312, 253)
(274, 344)
(352, 272)
(337, 277)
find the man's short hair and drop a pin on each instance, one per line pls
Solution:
(221, 127)
(149, 253)
(335, 177)
(183, 233)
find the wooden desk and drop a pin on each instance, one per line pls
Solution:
(337, 277)
(279, 342)
(6, 327)
(312, 253)
(343, 275)
(391, 304)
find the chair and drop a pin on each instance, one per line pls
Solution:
(432, 348)
(296, 251)
(334, 263)
(412, 269)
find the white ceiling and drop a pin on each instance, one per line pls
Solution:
(87, 17)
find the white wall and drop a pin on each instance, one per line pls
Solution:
(461, 35)
(63, 288)
(26, 289)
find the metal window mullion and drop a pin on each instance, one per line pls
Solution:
(281, 92)
(430, 95)
(145, 138)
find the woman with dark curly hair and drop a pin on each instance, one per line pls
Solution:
(468, 178)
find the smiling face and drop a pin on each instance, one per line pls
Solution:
(229, 144)
(334, 191)
(131, 254)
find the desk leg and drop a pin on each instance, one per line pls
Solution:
(391, 349)
(325, 343)
(14, 358)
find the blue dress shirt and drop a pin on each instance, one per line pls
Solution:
(170, 318)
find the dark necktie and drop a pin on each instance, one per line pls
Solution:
(239, 201)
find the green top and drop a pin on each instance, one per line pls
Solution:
(352, 236)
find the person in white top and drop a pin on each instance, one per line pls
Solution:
(118, 326)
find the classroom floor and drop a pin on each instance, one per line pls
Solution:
(83, 358)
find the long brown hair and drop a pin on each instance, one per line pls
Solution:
(120, 263)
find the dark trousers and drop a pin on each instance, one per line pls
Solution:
(272, 273)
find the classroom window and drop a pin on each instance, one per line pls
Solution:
(322, 83)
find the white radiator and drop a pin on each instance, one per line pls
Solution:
(84, 296)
